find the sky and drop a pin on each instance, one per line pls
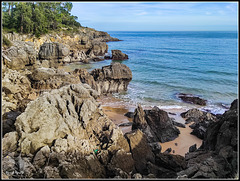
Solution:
(157, 16)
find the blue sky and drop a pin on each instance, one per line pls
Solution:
(158, 16)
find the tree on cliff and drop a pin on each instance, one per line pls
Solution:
(37, 17)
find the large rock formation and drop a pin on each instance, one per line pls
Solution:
(50, 78)
(155, 123)
(112, 78)
(19, 55)
(217, 156)
(201, 121)
(16, 90)
(64, 134)
(139, 147)
(53, 50)
(118, 55)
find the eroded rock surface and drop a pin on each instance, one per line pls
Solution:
(156, 124)
(20, 55)
(118, 55)
(112, 78)
(201, 121)
(217, 156)
(61, 129)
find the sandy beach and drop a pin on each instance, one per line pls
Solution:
(115, 109)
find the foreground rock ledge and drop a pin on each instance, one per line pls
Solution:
(64, 134)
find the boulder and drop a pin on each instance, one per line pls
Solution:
(161, 125)
(16, 90)
(140, 150)
(20, 55)
(50, 78)
(189, 98)
(99, 48)
(112, 78)
(175, 123)
(85, 77)
(53, 50)
(201, 121)
(9, 142)
(155, 123)
(118, 55)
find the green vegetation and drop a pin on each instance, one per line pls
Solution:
(38, 17)
(6, 42)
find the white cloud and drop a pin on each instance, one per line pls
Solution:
(142, 13)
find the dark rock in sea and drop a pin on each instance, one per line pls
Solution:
(193, 148)
(118, 55)
(168, 150)
(217, 156)
(129, 114)
(189, 98)
(155, 123)
(107, 57)
(125, 124)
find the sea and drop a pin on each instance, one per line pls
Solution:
(163, 64)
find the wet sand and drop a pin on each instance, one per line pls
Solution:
(115, 109)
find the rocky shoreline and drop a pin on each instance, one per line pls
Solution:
(55, 127)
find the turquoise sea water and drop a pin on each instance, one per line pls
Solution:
(166, 63)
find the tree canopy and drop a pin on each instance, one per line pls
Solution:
(37, 17)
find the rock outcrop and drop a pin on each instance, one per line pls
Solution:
(64, 134)
(189, 98)
(155, 123)
(20, 55)
(50, 78)
(16, 90)
(217, 156)
(118, 55)
(201, 121)
(49, 51)
(112, 78)
(139, 147)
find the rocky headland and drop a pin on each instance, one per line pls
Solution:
(54, 125)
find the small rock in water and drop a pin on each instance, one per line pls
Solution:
(189, 98)
(176, 144)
